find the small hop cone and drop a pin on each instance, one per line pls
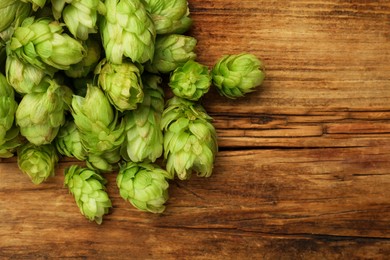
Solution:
(171, 51)
(38, 162)
(169, 16)
(42, 43)
(88, 190)
(190, 140)
(121, 83)
(40, 115)
(97, 122)
(80, 17)
(144, 138)
(127, 30)
(191, 81)
(236, 75)
(24, 77)
(144, 185)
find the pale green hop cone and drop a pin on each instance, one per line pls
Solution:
(127, 30)
(42, 43)
(190, 139)
(97, 122)
(144, 185)
(121, 83)
(12, 13)
(40, 115)
(81, 16)
(38, 162)
(171, 51)
(68, 142)
(88, 189)
(144, 139)
(236, 75)
(24, 77)
(169, 16)
(191, 81)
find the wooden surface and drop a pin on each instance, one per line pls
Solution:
(303, 170)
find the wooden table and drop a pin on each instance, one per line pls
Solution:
(303, 170)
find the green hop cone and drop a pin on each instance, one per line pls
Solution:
(8, 107)
(191, 81)
(42, 43)
(88, 63)
(24, 77)
(35, 3)
(88, 189)
(171, 52)
(68, 142)
(97, 122)
(169, 16)
(80, 17)
(40, 115)
(144, 139)
(121, 83)
(236, 75)
(38, 162)
(190, 140)
(127, 30)
(12, 13)
(144, 185)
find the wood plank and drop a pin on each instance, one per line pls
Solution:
(297, 196)
(321, 56)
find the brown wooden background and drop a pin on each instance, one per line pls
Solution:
(303, 170)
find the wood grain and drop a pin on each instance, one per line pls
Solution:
(303, 170)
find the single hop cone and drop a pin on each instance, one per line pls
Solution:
(236, 75)
(144, 185)
(169, 16)
(191, 81)
(127, 30)
(40, 115)
(190, 140)
(88, 189)
(42, 43)
(171, 51)
(38, 162)
(121, 83)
